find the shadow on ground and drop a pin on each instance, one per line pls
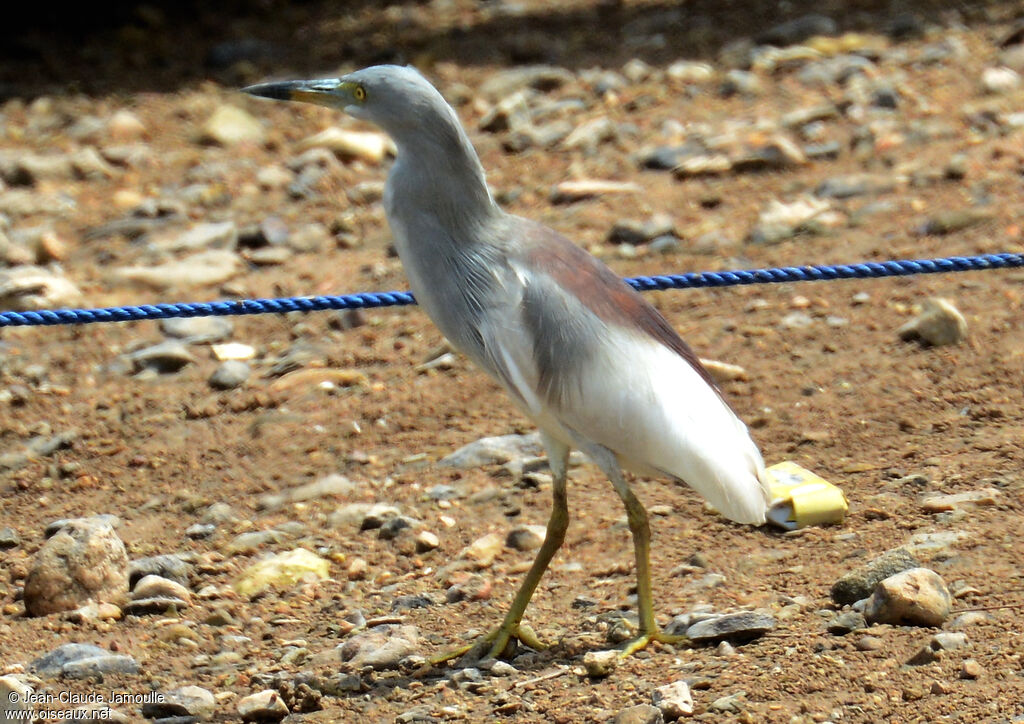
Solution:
(161, 46)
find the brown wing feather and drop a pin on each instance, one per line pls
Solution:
(601, 290)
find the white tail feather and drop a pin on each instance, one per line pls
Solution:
(662, 416)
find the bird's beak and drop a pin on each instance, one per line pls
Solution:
(324, 92)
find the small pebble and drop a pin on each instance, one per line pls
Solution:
(600, 663)
(262, 706)
(971, 669)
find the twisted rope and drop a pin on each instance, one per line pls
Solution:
(370, 300)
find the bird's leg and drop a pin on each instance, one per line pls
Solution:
(512, 627)
(639, 526)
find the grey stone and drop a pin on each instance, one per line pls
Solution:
(229, 374)
(198, 330)
(9, 538)
(216, 235)
(666, 158)
(394, 527)
(96, 666)
(187, 701)
(526, 537)
(741, 82)
(377, 515)
(382, 647)
(835, 70)
(954, 220)
(199, 531)
(640, 714)
(537, 77)
(948, 641)
(860, 583)
(327, 486)
(51, 664)
(494, 450)
(510, 114)
(635, 232)
(590, 134)
(731, 703)
(201, 269)
(861, 184)
(442, 491)
(165, 357)
(167, 566)
(253, 540)
(744, 625)
(83, 562)
(846, 623)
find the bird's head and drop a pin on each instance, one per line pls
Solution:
(393, 97)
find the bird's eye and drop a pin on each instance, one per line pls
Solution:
(359, 93)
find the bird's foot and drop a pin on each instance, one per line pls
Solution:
(642, 641)
(499, 642)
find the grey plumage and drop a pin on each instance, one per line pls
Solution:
(581, 353)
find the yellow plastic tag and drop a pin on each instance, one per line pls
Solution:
(800, 498)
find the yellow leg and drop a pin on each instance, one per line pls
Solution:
(512, 625)
(639, 526)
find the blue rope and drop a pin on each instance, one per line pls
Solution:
(369, 300)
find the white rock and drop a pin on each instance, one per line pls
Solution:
(222, 235)
(233, 351)
(426, 541)
(916, 597)
(14, 704)
(591, 134)
(688, 71)
(600, 663)
(125, 126)
(265, 705)
(230, 125)
(1000, 80)
(153, 586)
(382, 647)
(723, 371)
(365, 145)
(483, 550)
(674, 700)
(939, 323)
(570, 191)
(26, 288)
(202, 269)
(187, 701)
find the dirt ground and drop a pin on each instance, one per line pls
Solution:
(841, 395)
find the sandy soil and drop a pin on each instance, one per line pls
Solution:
(851, 402)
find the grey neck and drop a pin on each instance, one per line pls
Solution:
(438, 174)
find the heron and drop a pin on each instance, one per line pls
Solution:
(580, 352)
